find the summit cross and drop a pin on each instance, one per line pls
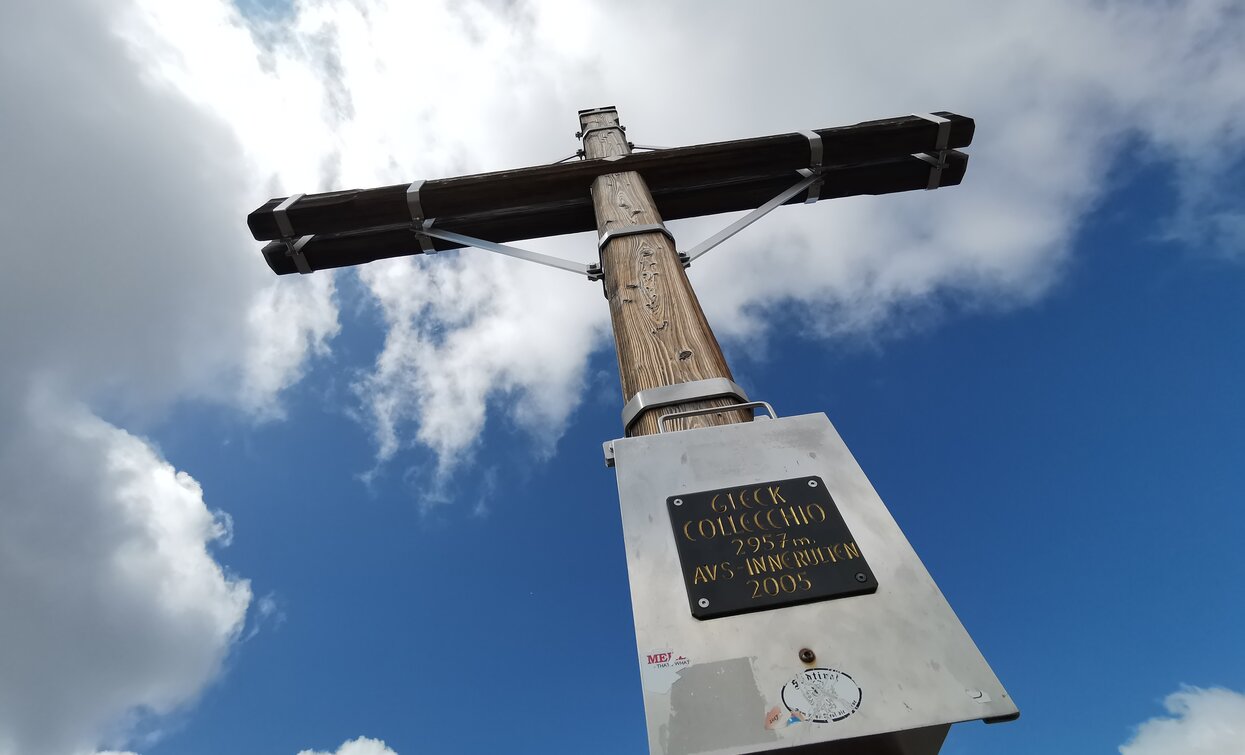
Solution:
(669, 361)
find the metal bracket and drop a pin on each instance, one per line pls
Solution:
(937, 161)
(578, 153)
(418, 223)
(814, 163)
(632, 230)
(679, 393)
(661, 422)
(294, 250)
(809, 178)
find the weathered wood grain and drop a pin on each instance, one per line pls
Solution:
(660, 330)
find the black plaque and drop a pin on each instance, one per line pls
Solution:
(765, 545)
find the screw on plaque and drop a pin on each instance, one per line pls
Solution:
(812, 483)
(703, 602)
(808, 656)
(678, 502)
(862, 577)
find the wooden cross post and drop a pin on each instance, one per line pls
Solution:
(660, 331)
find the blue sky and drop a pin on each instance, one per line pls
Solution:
(1069, 472)
(258, 515)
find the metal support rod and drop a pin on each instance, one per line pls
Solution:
(809, 179)
(579, 268)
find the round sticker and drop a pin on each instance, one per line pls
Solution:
(822, 695)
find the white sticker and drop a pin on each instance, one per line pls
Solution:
(821, 695)
(660, 668)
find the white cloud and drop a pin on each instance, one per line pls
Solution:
(1200, 722)
(360, 746)
(113, 601)
(129, 283)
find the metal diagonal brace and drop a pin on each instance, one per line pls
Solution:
(592, 272)
(809, 178)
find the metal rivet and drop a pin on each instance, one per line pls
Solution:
(812, 483)
(806, 655)
(703, 602)
(862, 577)
(678, 502)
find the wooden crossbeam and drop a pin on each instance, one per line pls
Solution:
(866, 158)
(325, 251)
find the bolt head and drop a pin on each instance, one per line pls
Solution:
(678, 502)
(703, 602)
(812, 483)
(807, 656)
(862, 577)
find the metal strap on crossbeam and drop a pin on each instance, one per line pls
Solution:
(814, 163)
(280, 213)
(293, 246)
(592, 272)
(809, 178)
(679, 393)
(937, 160)
(418, 222)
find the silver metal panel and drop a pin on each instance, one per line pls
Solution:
(719, 686)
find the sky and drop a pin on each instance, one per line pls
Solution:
(310, 514)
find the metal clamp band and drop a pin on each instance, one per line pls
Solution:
(632, 230)
(584, 134)
(418, 223)
(814, 164)
(936, 161)
(294, 250)
(279, 214)
(592, 110)
(661, 422)
(679, 393)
